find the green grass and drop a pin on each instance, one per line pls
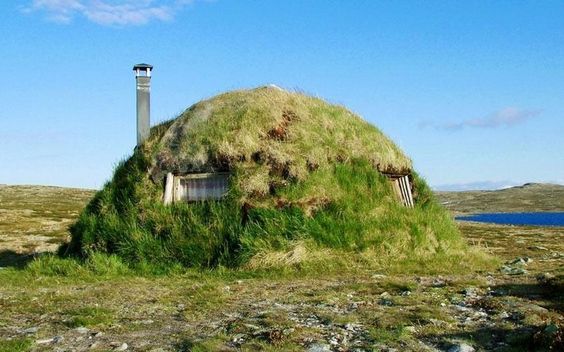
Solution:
(363, 216)
(16, 345)
(389, 334)
(88, 317)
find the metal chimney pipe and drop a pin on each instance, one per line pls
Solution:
(143, 79)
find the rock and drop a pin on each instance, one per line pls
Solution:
(44, 341)
(121, 347)
(470, 292)
(118, 346)
(461, 347)
(438, 283)
(288, 331)
(386, 302)
(504, 315)
(512, 270)
(405, 293)
(460, 307)
(238, 338)
(353, 306)
(506, 269)
(333, 341)
(539, 248)
(30, 331)
(520, 261)
(378, 276)
(546, 278)
(385, 299)
(479, 314)
(82, 330)
(318, 347)
(411, 329)
(352, 326)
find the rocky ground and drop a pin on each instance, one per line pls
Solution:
(516, 306)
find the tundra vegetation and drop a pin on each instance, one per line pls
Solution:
(298, 274)
(101, 303)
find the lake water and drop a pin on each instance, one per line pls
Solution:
(534, 219)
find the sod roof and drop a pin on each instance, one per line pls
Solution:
(272, 135)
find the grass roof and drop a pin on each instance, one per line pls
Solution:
(272, 134)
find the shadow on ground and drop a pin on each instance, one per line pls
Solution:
(11, 259)
(549, 295)
(525, 338)
(540, 299)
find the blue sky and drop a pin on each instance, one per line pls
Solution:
(472, 91)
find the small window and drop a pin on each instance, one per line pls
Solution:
(196, 187)
(402, 188)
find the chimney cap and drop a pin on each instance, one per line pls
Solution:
(142, 67)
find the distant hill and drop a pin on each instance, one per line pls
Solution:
(528, 197)
(36, 218)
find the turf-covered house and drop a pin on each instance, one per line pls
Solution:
(252, 175)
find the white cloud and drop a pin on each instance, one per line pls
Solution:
(506, 117)
(108, 12)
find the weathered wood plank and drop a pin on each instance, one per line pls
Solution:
(169, 188)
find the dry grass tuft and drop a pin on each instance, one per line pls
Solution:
(297, 254)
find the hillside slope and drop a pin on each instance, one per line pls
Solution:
(35, 219)
(528, 197)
